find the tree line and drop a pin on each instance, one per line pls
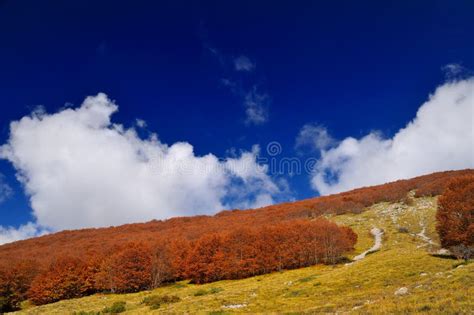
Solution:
(136, 266)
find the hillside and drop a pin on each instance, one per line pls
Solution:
(79, 242)
(376, 244)
(433, 284)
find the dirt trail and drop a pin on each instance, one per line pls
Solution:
(425, 238)
(377, 233)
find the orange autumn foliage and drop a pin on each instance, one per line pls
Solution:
(128, 270)
(252, 251)
(64, 279)
(15, 280)
(455, 216)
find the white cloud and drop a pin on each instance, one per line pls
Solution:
(440, 137)
(81, 170)
(256, 107)
(314, 136)
(11, 234)
(243, 63)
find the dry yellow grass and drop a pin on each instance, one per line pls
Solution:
(435, 285)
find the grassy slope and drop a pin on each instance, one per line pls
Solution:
(367, 286)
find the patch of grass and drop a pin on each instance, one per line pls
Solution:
(202, 292)
(179, 285)
(307, 279)
(424, 308)
(367, 285)
(215, 290)
(117, 307)
(461, 263)
(294, 293)
(155, 301)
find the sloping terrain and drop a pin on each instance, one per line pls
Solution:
(79, 243)
(400, 277)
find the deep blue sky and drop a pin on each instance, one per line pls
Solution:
(352, 66)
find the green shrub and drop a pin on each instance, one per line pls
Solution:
(155, 301)
(117, 307)
(215, 290)
(307, 279)
(202, 292)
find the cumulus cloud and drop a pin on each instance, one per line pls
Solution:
(80, 169)
(256, 107)
(243, 63)
(440, 137)
(314, 137)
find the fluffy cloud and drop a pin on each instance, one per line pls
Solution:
(314, 136)
(81, 170)
(440, 137)
(243, 63)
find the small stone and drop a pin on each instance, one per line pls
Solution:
(401, 291)
(233, 306)
(443, 251)
(423, 274)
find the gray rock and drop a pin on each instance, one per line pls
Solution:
(401, 291)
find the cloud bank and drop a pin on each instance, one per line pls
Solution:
(440, 137)
(80, 169)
